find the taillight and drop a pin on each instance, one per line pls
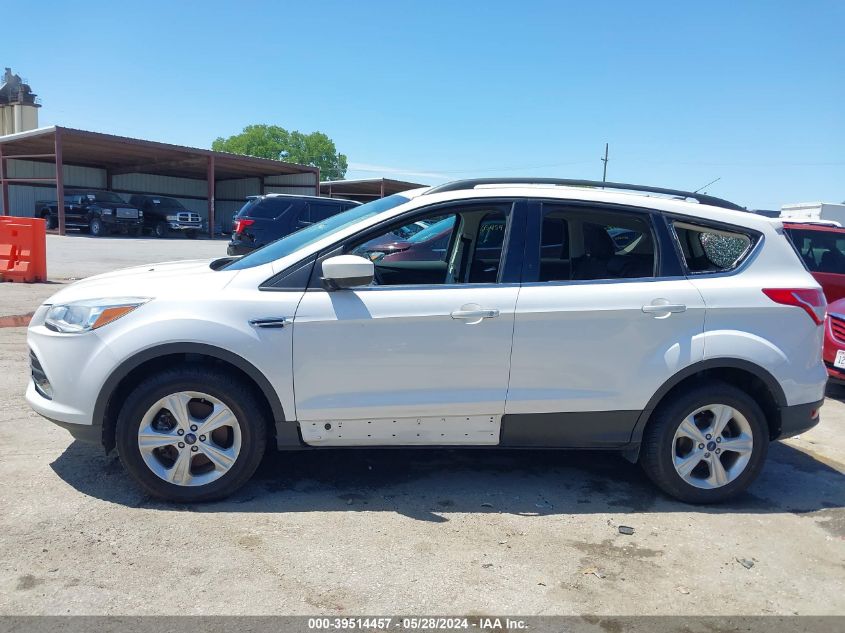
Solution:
(811, 300)
(242, 223)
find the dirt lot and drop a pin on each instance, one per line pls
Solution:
(405, 531)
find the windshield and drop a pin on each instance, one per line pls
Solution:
(167, 203)
(315, 232)
(104, 196)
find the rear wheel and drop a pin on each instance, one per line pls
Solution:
(706, 444)
(52, 221)
(191, 434)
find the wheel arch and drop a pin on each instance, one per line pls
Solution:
(147, 361)
(758, 382)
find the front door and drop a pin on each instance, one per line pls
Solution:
(422, 356)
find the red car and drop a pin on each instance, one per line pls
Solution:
(834, 341)
(823, 250)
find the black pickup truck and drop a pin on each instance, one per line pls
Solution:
(163, 215)
(97, 212)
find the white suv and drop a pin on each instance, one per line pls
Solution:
(673, 327)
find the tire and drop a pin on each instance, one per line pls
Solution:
(666, 442)
(198, 483)
(52, 221)
(160, 229)
(96, 227)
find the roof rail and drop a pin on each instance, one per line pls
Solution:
(459, 185)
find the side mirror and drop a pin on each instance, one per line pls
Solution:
(347, 271)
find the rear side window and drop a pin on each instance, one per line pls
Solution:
(822, 251)
(320, 211)
(594, 244)
(707, 249)
(265, 208)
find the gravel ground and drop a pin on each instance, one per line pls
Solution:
(400, 531)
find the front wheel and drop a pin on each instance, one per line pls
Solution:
(705, 444)
(96, 228)
(191, 434)
(160, 229)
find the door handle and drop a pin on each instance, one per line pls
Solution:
(663, 308)
(473, 313)
(269, 322)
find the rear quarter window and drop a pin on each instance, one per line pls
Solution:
(707, 249)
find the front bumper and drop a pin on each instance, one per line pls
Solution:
(184, 226)
(798, 418)
(88, 433)
(76, 366)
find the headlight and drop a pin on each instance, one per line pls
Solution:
(83, 316)
(172, 218)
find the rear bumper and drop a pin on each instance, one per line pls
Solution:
(239, 248)
(798, 418)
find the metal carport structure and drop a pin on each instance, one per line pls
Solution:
(43, 158)
(365, 189)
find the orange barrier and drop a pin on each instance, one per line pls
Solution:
(23, 249)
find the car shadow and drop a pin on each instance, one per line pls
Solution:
(835, 391)
(429, 484)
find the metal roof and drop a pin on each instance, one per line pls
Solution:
(122, 155)
(366, 188)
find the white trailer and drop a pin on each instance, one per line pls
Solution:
(814, 212)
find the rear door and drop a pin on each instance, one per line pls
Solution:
(604, 318)
(423, 355)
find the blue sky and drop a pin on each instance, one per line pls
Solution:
(684, 92)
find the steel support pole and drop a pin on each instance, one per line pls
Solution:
(60, 182)
(211, 183)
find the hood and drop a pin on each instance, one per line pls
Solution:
(167, 279)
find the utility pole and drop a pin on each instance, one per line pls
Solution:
(604, 160)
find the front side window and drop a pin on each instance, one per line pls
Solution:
(578, 244)
(822, 251)
(463, 245)
(708, 249)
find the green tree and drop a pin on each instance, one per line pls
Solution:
(271, 141)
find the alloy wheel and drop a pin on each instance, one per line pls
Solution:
(712, 446)
(189, 438)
